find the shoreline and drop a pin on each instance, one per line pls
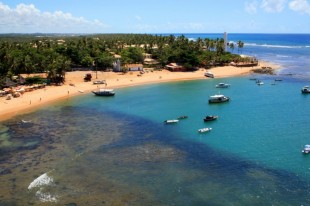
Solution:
(31, 101)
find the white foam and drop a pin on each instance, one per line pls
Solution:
(45, 197)
(41, 181)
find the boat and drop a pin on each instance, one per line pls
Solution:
(218, 98)
(171, 121)
(99, 82)
(209, 74)
(182, 117)
(222, 85)
(259, 82)
(305, 90)
(210, 118)
(306, 149)
(206, 129)
(104, 92)
(278, 80)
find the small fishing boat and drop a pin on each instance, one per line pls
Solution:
(210, 118)
(305, 90)
(259, 82)
(206, 129)
(306, 149)
(209, 74)
(222, 85)
(171, 121)
(104, 92)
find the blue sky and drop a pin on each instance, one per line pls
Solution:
(160, 16)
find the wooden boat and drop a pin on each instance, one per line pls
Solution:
(182, 117)
(210, 118)
(104, 92)
(209, 74)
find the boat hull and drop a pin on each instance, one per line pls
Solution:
(219, 100)
(107, 94)
(210, 119)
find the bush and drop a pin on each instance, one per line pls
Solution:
(35, 80)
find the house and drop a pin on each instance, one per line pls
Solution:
(134, 67)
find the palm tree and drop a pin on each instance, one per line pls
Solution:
(232, 47)
(240, 45)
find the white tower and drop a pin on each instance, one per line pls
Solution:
(225, 41)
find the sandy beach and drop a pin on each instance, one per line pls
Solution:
(75, 85)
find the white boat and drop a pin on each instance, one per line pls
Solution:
(305, 90)
(104, 92)
(259, 82)
(222, 85)
(218, 98)
(206, 129)
(99, 82)
(306, 149)
(171, 121)
(209, 74)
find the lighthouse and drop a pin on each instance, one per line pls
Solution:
(225, 41)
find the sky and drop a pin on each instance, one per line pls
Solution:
(157, 16)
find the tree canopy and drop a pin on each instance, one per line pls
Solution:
(57, 54)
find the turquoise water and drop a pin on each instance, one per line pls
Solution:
(118, 151)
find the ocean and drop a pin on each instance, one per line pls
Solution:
(91, 150)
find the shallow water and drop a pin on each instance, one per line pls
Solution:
(116, 151)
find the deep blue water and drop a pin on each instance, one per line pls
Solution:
(117, 151)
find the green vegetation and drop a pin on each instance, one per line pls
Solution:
(54, 54)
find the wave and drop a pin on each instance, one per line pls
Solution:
(40, 183)
(276, 46)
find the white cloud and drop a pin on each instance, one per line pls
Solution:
(138, 18)
(251, 7)
(273, 5)
(302, 6)
(28, 19)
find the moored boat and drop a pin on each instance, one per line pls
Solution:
(206, 129)
(306, 149)
(182, 117)
(218, 98)
(305, 90)
(222, 85)
(259, 82)
(104, 92)
(171, 121)
(210, 118)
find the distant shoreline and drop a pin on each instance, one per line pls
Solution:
(31, 101)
